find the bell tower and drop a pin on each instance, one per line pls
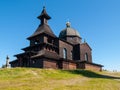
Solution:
(43, 29)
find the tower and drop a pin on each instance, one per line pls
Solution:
(43, 40)
(43, 29)
(43, 48)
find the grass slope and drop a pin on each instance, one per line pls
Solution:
(50, 79)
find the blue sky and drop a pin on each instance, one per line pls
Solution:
(97, 21)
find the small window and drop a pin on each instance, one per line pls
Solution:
(36, 42)
(71, 54)
(71, 38)
(64, 53)
(86, 57)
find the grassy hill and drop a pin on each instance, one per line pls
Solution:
(50, 79)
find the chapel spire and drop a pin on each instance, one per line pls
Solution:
(44, 16)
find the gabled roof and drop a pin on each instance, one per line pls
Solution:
(85, 43)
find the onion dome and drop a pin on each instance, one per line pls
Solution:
(68, 31)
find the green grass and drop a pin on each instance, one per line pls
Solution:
(50, 79)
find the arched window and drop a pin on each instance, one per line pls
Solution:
(64, 53)
(86, 57)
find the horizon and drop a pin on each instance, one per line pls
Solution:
(96, 21)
